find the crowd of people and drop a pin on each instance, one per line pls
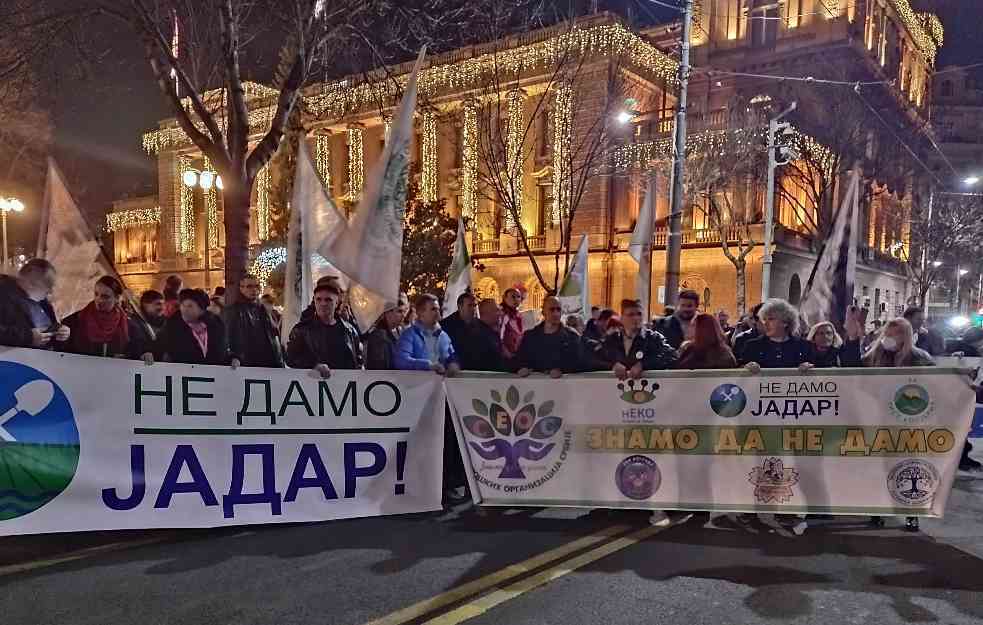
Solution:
(185, 325)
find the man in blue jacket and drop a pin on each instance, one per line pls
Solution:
(424, 346)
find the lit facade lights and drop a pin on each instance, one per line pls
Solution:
(211, 201)
(322, 157)
(184, 221)
(469, 160)
(356, 162)
(263, 188)
(123, 220)
(428, 152)
(514, 155)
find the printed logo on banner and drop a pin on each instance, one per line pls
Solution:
(728, 400)
(638, 477)
(517, 437)
(39, 441)
(913, 482)
(773, 481)
(638, 391)
(912, 404)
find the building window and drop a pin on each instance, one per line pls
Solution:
(793, 13)
(545, 208)
(735, 18)
(764, 25)
(795, 290)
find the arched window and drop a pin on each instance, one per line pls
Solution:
(706, 299)
(534, 294)
(795, 290)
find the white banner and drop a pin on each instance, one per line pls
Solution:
(834, 441)
(94, 444)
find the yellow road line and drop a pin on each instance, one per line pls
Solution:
(23, 567)
(491, 580)
(489, 601)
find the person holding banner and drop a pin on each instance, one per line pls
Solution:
(896, 348)
(424, 346)
(484, 346)
(512, 326)
(550, 347)
(458, 325)
(27, 318)
(740, 339)
(380, 342)
(633, 348)
(708, 349)
(828, 347)
(192, 335)
(146, 324)
(324, 342)
(780, 347)
(102, 327)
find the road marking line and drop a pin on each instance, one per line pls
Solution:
(23, 567)
(483, 604)
(491, 580)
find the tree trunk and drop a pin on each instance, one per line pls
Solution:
(236, 237)
(741, 267)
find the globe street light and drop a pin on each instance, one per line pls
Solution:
(205, 179)
(8, 205)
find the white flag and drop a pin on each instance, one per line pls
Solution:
(830, 288)
(575, 293)
(640, 248)
(67, 242)
(314, 221)
(459, 274)
(371, 250)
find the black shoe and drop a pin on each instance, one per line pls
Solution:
(968, 464)
(911, 524)
(877, 521)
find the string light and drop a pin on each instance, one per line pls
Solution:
(927, 36)
(514, 158)
(263, 184)
(428, 154)
(322, 157)
(123, 220)
(469, 160)
(562, 131)
(268, 260)
(211, 210)
(356, 163)
(184, 224)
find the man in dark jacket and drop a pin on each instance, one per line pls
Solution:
(592, 340)
(740, 339)
(635, 348)
(550, 347)
(146, 325)
(26, 316)
(325, 342)
(483, 351)
(458, 325)
(252, 337)
(674, 327)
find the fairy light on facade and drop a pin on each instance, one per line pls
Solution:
(469, 160)
(322, 157)
(123, 220)
(428, 154)
(211, 209)
(356, 163)
(514, 157)
(562, 131)
(184, 222)
(263, 184)
(268, 260)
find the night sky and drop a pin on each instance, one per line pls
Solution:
(100, 117)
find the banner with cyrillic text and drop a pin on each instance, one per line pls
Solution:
(90, 443)
(832, 441)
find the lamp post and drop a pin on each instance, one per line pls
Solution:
(205, 180)
(960, 272)
(775, 128)
(8, 205)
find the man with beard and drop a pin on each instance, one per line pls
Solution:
(146, 325)
(676, 326)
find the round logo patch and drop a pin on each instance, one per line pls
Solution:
(638, 477)
(913, 482)
(39, 441)
(728, 400)
(912, 403)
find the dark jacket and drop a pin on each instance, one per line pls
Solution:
(252, 337)
(741, 340)
(308, 346)
(774, 355)
(16, 328)
(544, 352)
(144, 338)
(656, 352)
(380, 344)
(78, 342)
(671, 328)
(930, 341)
(458, 329)
(847, 355)
(177, 343)
(483, 349)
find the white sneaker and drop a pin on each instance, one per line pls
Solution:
(659, 519)
(800, 528)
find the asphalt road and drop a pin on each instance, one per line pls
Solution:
(531, 566)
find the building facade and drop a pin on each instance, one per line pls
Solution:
(504, 132)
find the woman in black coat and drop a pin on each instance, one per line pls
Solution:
(192, 335)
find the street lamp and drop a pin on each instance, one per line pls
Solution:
(936, 263)
(971, 180)
(204, 179)
(8, 205)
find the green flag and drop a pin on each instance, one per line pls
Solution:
(459, 273)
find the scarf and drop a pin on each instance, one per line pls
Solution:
(104, 327)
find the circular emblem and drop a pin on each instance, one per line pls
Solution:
(912, 403)
(913, 482)
(39, 442)
(728, 400)
(638, 477)
(639, 355)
